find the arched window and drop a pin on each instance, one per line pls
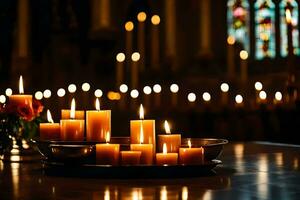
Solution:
(264, 29)
(238, 21)
(293, 6)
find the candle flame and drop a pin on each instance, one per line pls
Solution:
(107, 137)
(21, 87)
(49, 117)
(141, 112)
(165, 149)
(73, 108)
(141, 134)
(189, 143)
(288, 16)
(97, 104)
(167, 127)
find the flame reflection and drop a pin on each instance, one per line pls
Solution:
(239, 155)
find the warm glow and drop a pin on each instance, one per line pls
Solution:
(129, 26)
(174, 88)
(134, 93)
(262, 95)
(86, 87)
(113, 95)
(73, 108)
(97, 104)
(8, 92)
(191, 97)
(72, 88)
(224, 87)
(165, 149)
(155, 19)
(189, 143)
(61, 92)
(141, 111)
(288, 16)
(157, 88)
(147, 90)
(141, 16)
(123, 88)
(230, 40)
(278, 96)
(258, 86)
(167, 127)
(49, 117)
(243, 55)
(238, 99)
(98, 93)
(206, 96)
(21, 87)
(106, 194)
(141, 134)
(47, 94)
(120, 57)
(38, 95)
(107, 137)
(2, 99)
(185, 193)
(135, 56)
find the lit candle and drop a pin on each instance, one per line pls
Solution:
(21, 99)
(107, 154)
(130, 157)
(72, 129)
(166, 158)
(65, 114)
(172, 141)
(98, 123)
(191, 156)
(145, 149)
(148, 128)
(50, 130)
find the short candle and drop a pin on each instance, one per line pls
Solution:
(166, 158)
(130, 157)
(50, 130)
(20, 99)
(172, 141)
(107, 154)
(191, 156)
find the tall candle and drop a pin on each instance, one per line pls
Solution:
(166, 158)
(172, 141)
(21, 98)
(50, 130)
(98, 123)
(191, 156)
(72, 129)
(107, 154)
(148, 128)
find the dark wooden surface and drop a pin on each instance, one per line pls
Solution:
(249, 171)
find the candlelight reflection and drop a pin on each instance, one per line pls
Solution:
(262, 175)
(279, 159)
(295, 163)
(163, 193)
(207, 195)
(185, 193)
(15, 167)
(106, 194)
(239, 155)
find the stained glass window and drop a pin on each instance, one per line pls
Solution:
(264, 29)
(293, 7)
(238, 21)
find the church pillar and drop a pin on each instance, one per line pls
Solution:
(205, 28)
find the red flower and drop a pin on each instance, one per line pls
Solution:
(37, 107)
(25, 112)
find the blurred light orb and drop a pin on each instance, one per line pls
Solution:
(123, 88)
(134, 93)
(262, 95)
(147, 90)
(155, 19)
(135, 56)
(129, 26)
(191, 97)
(113, 96)
(243, 55)
(47, 93)
(230, 40)
(120, 57)
(278, 96)
(61, 92)
(141, 16)
(8, 92)
(239, 98)
(38, 95)
(72, 88)
(157, 88)
(224, 87)
(174, 88)
(206, 96)
(98, 93)
(86, 87)
(258, 85)
(2, 99)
